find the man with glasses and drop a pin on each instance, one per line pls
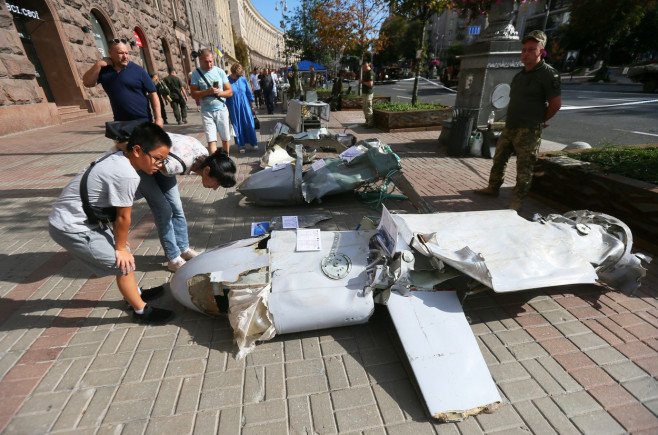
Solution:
(127, 85)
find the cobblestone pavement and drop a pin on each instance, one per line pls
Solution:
(572, 359)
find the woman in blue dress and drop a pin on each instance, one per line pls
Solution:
(240, 107)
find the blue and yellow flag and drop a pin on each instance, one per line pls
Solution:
(219, 51)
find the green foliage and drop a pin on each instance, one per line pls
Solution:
(601, 31)
(241, 52)
(403, 36)
(405, 107)
(632, 162)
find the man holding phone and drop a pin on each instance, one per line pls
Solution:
(210, 85)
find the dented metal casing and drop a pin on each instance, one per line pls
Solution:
(329, 176)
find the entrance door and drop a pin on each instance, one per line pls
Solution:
(31, 53)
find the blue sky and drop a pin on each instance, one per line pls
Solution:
(266, 9)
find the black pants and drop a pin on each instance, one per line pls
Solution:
(269, 101)
(180, 108)
(162, 110)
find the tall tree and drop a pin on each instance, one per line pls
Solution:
(301, 32)
(603, 30)
(420, 10)
(334, 28)
(368, 16)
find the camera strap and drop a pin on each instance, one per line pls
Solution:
(203, 76)
(84, 195)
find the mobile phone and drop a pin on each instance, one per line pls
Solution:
(215, 84)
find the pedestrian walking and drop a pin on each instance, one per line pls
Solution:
(178, 96)
(269, 91)
(240, 107)
(210, 84)
(254, 79)
(164, 94)
(535, 97)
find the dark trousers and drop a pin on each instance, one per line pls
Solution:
(162, 110)
(180, 108)
(269, 101)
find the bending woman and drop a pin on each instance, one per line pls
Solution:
(103, 193)
(160, 190)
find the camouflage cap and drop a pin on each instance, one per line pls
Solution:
(537, 35)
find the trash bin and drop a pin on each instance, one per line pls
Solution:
(460, 131)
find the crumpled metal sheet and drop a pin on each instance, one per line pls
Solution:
(508, 253)
(328, 176)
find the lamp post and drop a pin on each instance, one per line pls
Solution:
(283, 6)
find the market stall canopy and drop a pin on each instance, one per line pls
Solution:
(305, 65)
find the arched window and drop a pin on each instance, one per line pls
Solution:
(101, 36)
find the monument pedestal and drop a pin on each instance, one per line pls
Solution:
(483, 66)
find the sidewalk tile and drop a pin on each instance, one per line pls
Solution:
(577, 403)
(635, 417)
(599, 423)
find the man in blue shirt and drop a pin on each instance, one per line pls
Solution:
(128, 86)
(210, 85)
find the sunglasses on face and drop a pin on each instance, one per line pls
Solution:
(117, 41)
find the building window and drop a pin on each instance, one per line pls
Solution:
(99, 34)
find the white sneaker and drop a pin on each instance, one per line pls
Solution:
(254, 147)
(175, 264)
(189, 254)
(242, 151)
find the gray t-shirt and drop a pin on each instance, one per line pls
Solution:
(111, 183)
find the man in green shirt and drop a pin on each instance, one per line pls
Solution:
(178, 96)
(535, 96)
(367, 83)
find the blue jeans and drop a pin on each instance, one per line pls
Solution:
(161, 194)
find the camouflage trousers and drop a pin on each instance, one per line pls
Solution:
(525, 142)
(367, 109)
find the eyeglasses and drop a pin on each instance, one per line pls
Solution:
(117, 41)
(158, 162)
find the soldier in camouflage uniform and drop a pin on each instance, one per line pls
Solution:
(534, 99)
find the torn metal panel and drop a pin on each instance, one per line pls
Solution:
(209, 276)
(452, 375)
(337, 176)
(291, 185)
(275, 187)
(303, 298)
(508, 253)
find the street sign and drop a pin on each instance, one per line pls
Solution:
(473, 30)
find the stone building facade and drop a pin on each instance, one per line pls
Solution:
(47, 45)
(265, 41)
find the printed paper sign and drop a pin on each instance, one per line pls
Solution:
(387, 232)
(308, 239)
(289, 221)
(318, 164)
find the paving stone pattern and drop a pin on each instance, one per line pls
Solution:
(571, 359)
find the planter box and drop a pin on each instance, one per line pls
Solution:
(580, 185)
(355, 102)
(412, 120)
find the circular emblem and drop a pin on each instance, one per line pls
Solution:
(336, 265)
(500, 96)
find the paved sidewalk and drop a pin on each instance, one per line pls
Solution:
(573, 359)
